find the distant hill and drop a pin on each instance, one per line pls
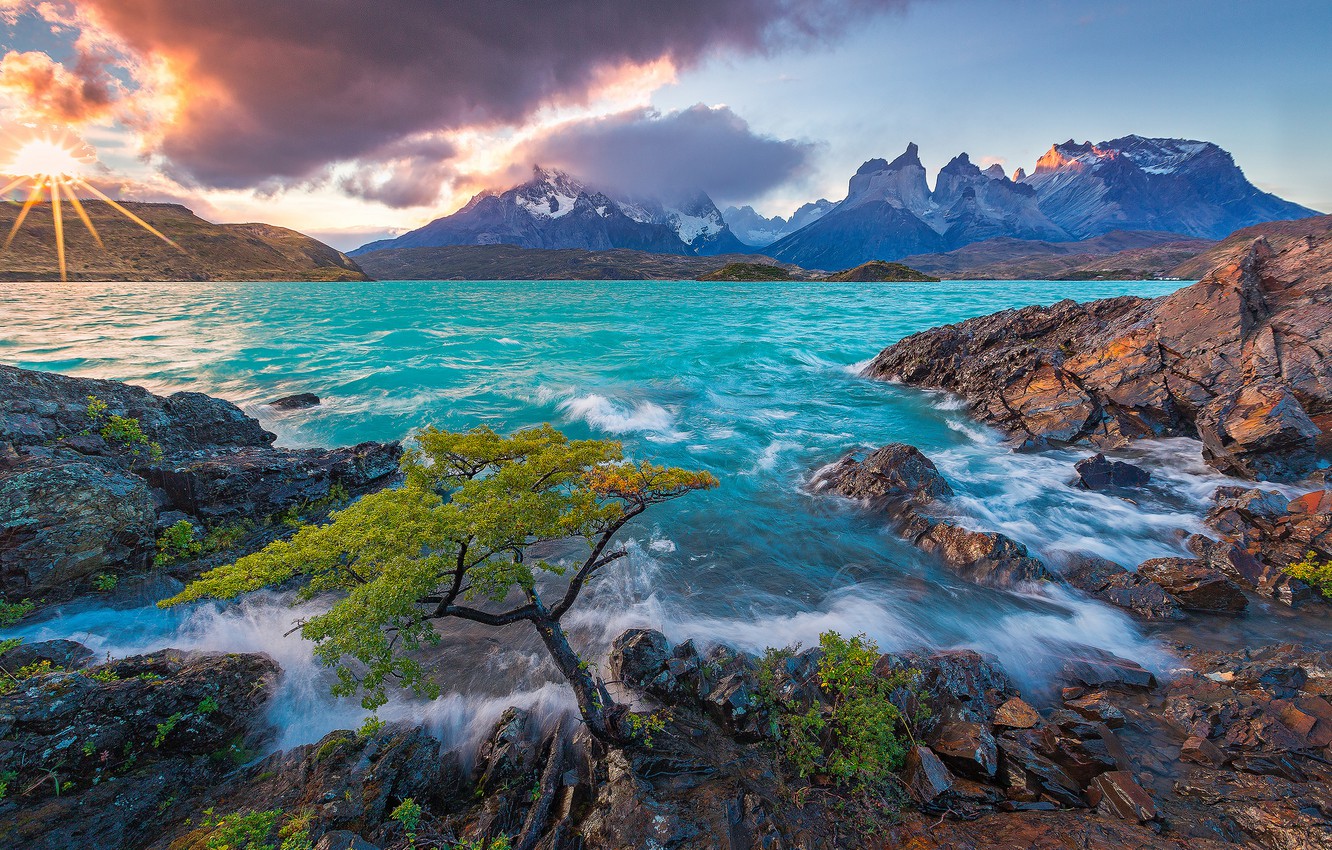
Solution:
(509, 262)
(1119, 255)
(556, 210)
(1315, 232)
(877, 271)
(210, 251)
(748, 271)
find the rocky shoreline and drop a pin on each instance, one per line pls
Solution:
(102, 483)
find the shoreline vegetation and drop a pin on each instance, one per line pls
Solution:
(843, 744)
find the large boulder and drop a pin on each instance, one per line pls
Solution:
(63, 522)
(1107, 372)
(985, 557)
(1259, 431)
(1112, 583)
(1100, 473)
(894, 472)
(1197, 586)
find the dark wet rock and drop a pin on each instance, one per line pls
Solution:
(1262, 534)
(926, 777)
(509, 752)
(252, 483)
(1117, 793)
(341, 839)
(1016, 714)
(1031, 777)
(1198, 750)
(969, 749)
(1259, 431)
(1112, 583)
(297, 401)
(61, 654)
(1094, 668)
(1097, 707)
(63, 522)
(1107, 372)
(895, 472)
(74, 505)
(957, 684)
(1197, 586)
(1100, 473)
(985, 557)
(640, 658)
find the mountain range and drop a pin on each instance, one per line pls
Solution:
(1186, 188)
(556, 210)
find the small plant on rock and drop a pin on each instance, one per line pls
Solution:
(123, 431)
(1310, 571)
(105, 582)
(177, 543)
(12, 612)
(408, 814)
(861, 737)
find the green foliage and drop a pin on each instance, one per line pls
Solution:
(207, 706)
(166, 727)
(6, 777)
(370, 727)
(499, 842)
(408, 814)
(241, 830)
(105, 582)
(12, 612)
(457, 531)
(123, 431)
(1310, 571)
(105, 675)
(858, 740)
(37, 668)
(225, 536)
(177, 543)
(9, 643)
(642, 727)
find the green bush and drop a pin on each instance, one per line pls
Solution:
(12, 612)
(123, 431)
(177, 543)
(105, 582)
(1313, 573)
(861, 737)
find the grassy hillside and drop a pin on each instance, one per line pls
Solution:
(207, 251)
(509, 262)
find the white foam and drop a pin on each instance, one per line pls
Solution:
(616, 418)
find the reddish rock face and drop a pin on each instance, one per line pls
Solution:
(1197, 586)
(1234, 358)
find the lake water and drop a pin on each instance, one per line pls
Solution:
(755, 382)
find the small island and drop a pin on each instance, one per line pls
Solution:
(878, 271)
(748, 271)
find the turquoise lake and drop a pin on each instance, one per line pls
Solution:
(754, 382)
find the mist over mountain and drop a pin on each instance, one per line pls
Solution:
(753, 228)
(557, 210)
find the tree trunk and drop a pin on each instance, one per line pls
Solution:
(604, 717)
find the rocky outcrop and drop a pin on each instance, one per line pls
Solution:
(1100, 473)
(91, 470)
(899, 480)
(1112, 583)
(1235, 359)
(1261, 534)
(1197, 586)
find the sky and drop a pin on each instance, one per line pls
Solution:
(351, 120)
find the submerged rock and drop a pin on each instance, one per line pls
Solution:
(297, 401)
(1100, 473)
(1236, 358)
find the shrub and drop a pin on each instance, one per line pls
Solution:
(860, 738)
(176, 543)
(105, 582)
(408, 813)
(12, 612)
(1316, 574)
(166, 727)
(123, 431)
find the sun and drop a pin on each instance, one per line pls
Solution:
(45, 157)
(55, 164)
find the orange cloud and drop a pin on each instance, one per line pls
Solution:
(40, 89)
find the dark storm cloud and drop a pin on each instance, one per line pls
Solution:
(276, 89)
(406, 173)
(643, 151)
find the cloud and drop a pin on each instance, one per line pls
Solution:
(40, 89)
(406, 173)
(653, 153)
(278, 90)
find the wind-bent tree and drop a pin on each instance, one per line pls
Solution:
(457, 540)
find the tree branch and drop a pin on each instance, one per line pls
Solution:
(516, 615)
(594, 562)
